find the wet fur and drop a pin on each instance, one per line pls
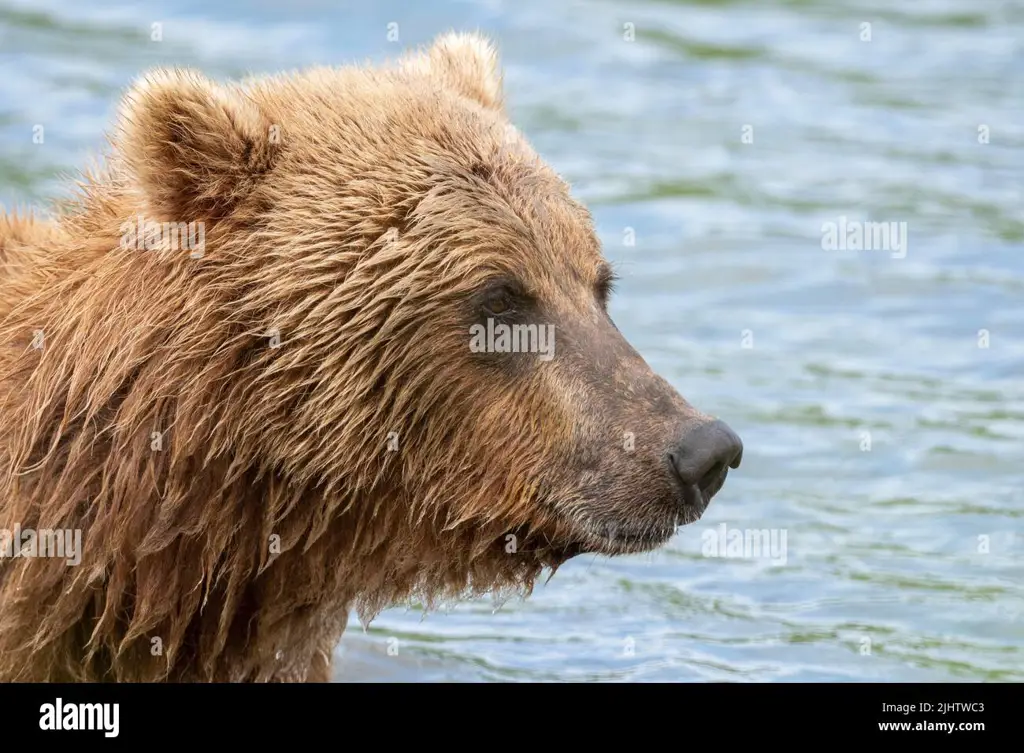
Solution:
(232, 545)
(179, 579)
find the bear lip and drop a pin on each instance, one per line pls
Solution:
(692, 503)
(627, 542)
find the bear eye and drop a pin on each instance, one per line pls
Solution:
(498, 301)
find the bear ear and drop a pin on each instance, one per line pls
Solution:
(194, 148)
(465, 62)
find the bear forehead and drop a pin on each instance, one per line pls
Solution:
(427, 146)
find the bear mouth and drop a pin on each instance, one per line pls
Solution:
(613, 540)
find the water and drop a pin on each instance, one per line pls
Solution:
(882, 436)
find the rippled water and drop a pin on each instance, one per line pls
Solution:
(880, 393)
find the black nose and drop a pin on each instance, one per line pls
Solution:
(703, 456)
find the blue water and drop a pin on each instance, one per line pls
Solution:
(880, 394)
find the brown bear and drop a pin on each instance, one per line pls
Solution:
(316, 408)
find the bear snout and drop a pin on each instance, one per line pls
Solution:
(700, 459)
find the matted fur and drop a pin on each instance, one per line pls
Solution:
(177, 542)
(221, 429)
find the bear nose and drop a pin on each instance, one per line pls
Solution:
(704, 455)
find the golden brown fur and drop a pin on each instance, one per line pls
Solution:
(222, 429)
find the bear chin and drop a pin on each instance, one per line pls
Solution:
(614, 543)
